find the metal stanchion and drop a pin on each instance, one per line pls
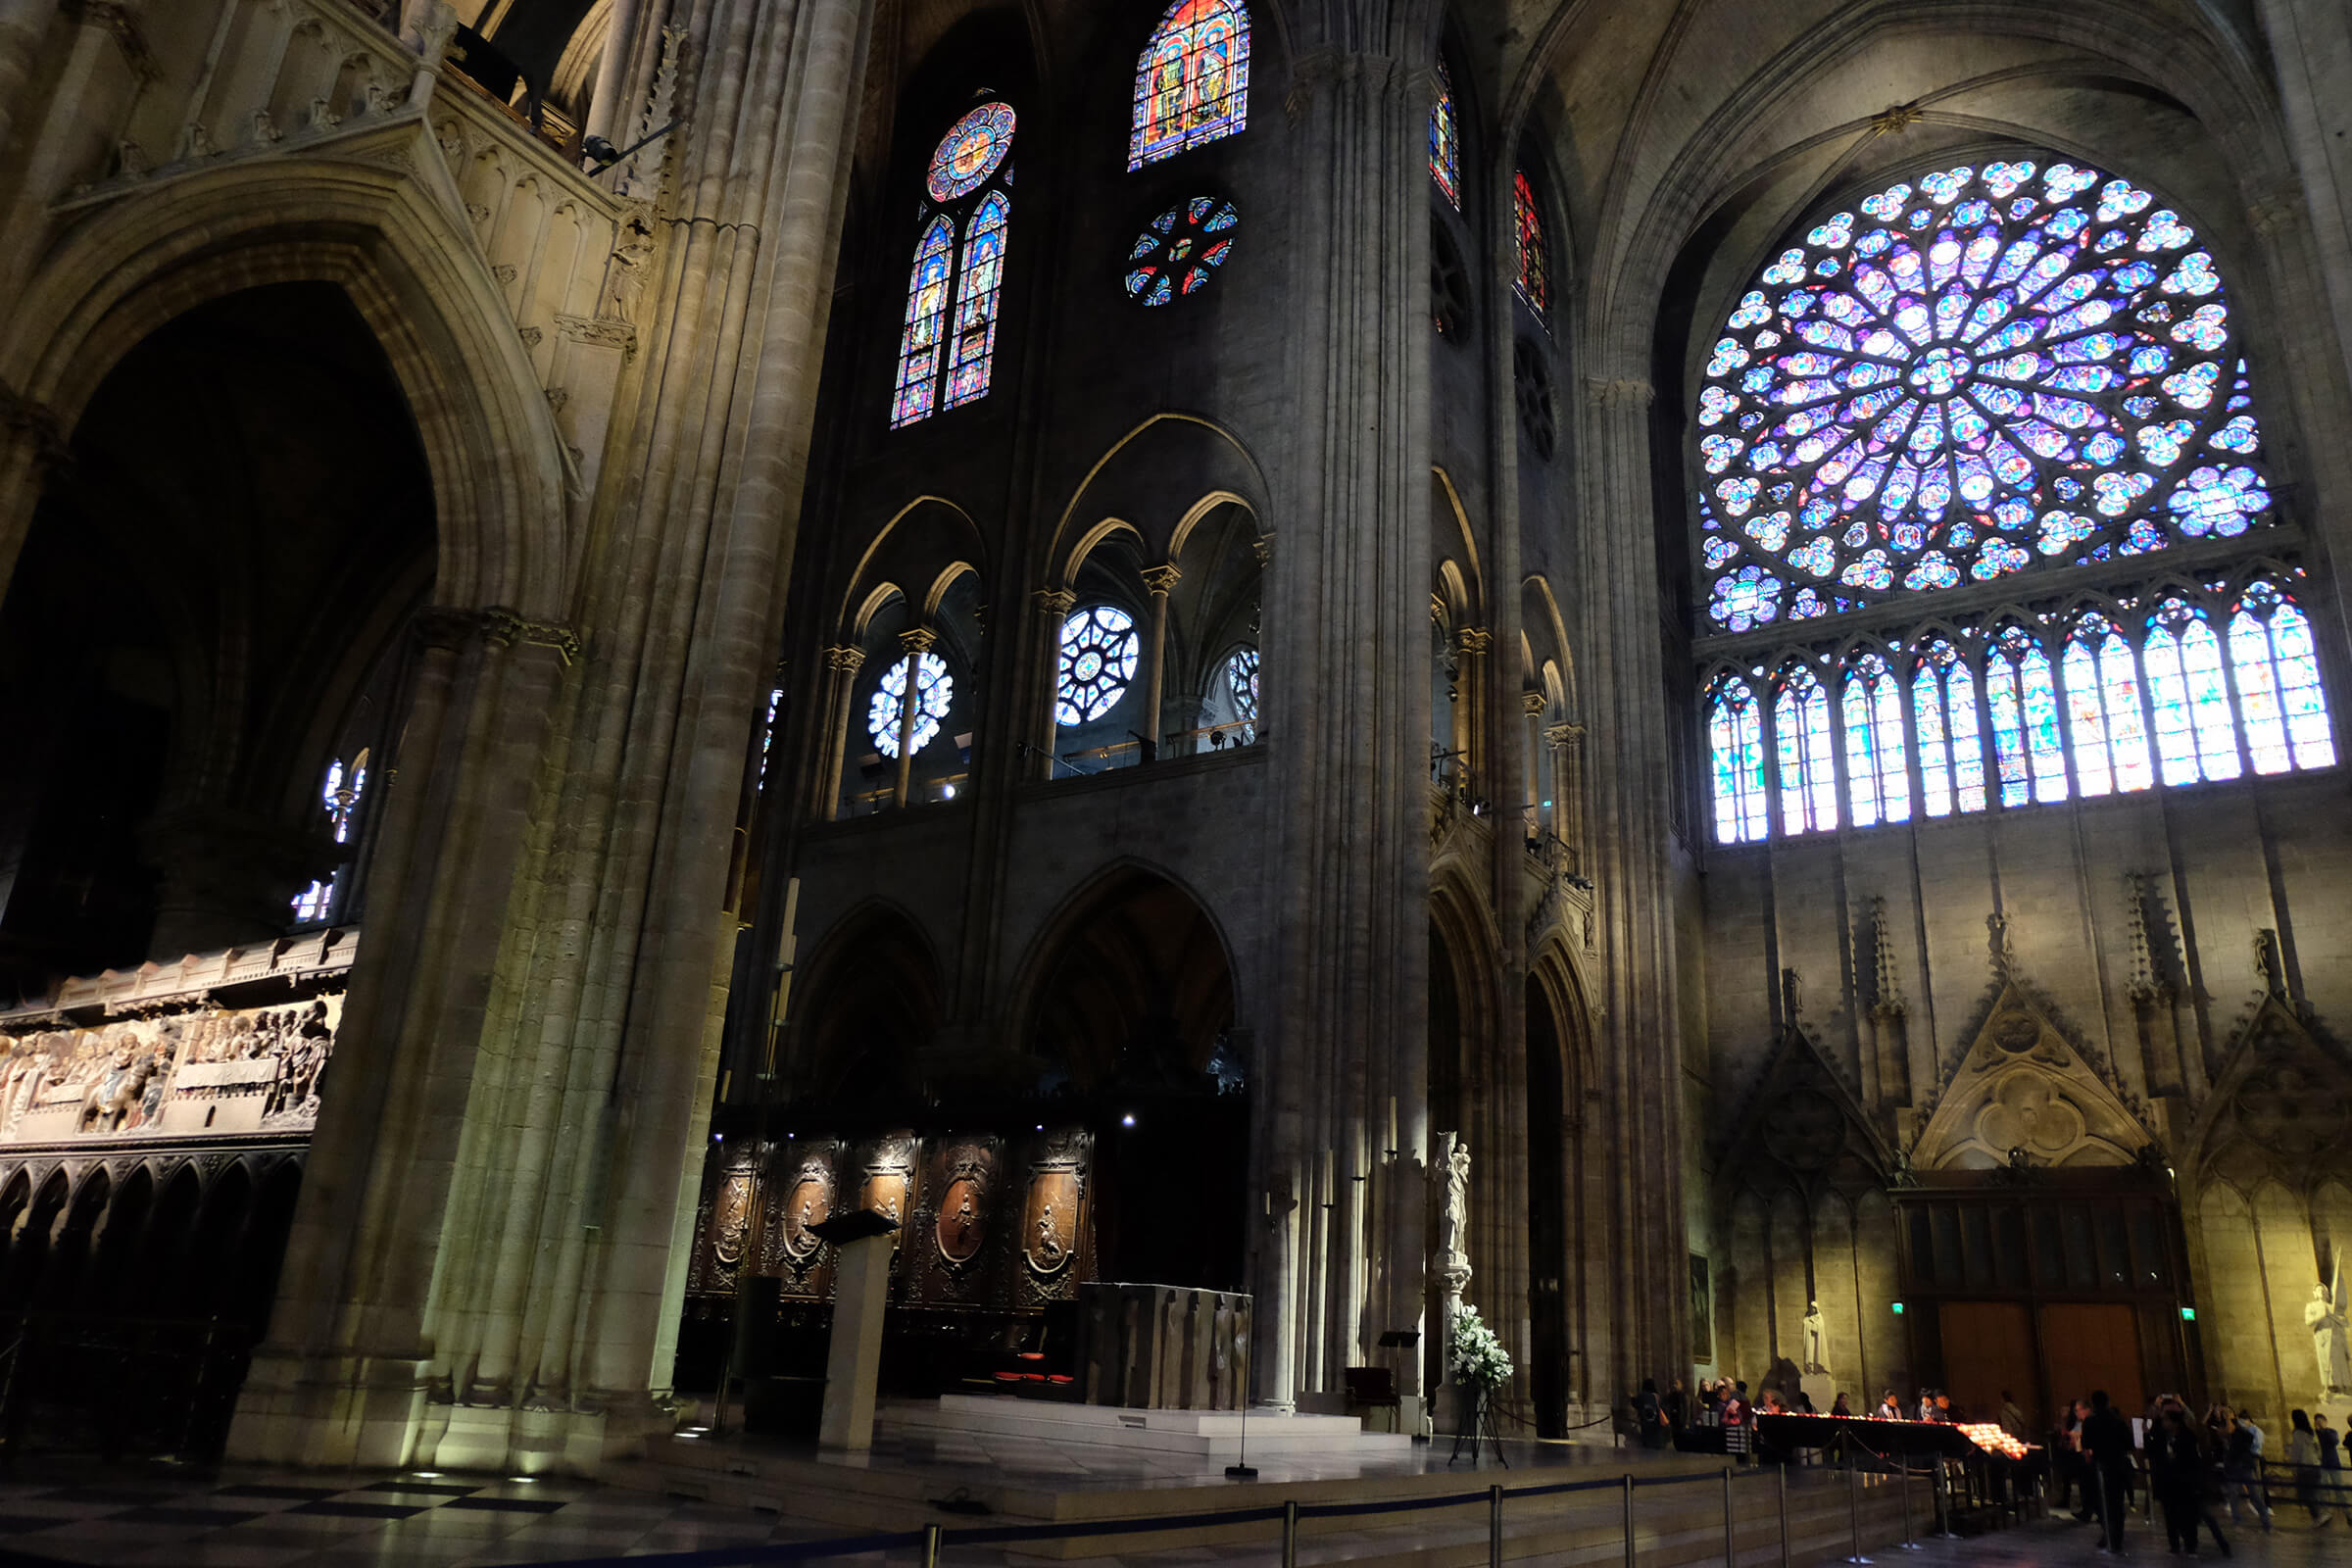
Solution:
(1782, 1473)
(1289, 1535)
(1904, 1459)
(1494, 1527)
(1943, 1504)
(1731, 1553)
(1629, 1519)
(931, 1535)
(1853, 1513)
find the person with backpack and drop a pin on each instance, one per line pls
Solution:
(2332, 1491)
(2241, 1466)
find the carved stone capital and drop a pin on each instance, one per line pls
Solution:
(1621, 393)
(1532, 704)
(503, 628)
(1162, 580)
(1055, 601)
(917, 639)
(846, 658)
(1473, 639)
(1263, 547)
(1564, 734)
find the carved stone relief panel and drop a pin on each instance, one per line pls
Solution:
(2024, 1095)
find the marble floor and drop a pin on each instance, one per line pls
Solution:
(239, 1518)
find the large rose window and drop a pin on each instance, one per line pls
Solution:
(1996, 369)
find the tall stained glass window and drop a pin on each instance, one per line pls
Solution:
(2189, 696)
(1099, 649)
(339, 795)
(970, 173)
(1878, 784)
(1963, 376)
(1809, 768)
(2278, 672)
(1534, 276)
(1193, 83)
(1241, 685)
(1735, 742)
(1446, 140)
(2023, 699)
(1952, 742)
(2109, 727)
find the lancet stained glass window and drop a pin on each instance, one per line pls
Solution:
(1964, 375)
(1446, 140)
(1878, 784)
(1098, 648)
(2023, 699)
(934, 690)
(1802, 735)
(2278, 672)
(1534, 279)
(1736, 737)
(1952, 742)
(2188, 697)
(1241, 684)
(935, 353)
(2102, 698)
(339, 795)
(1193, 83)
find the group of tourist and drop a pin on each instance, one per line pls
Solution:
(2192, 1464)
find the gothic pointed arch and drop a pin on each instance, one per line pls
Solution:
(1802, 1128)
(2028, 1090)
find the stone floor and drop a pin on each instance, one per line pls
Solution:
(151, 1514)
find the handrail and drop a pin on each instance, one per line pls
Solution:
(1151, 1524)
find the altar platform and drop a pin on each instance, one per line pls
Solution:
(974, 1473)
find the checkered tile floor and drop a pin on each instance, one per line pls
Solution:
(253, 1519)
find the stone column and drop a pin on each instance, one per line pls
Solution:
(917, 642)
(1534, 812)
(1161, 580)
(1054, 606)
(1567, 743)
(1347, 694)
(842, 663)
(1470, 737)
(1637, 1021)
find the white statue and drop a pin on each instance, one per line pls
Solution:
(1454, 1255)
(1817, 1335)
(2323, 1314)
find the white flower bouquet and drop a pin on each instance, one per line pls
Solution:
(1479, 1358)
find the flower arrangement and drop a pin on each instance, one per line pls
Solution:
(1479, 1357)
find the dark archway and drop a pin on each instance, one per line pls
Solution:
(70, 1255)
(871, 1009)
(1135, 1006)
(206, 595)
(104, 1291)
(28, 1259)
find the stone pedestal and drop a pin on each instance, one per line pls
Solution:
(1822, 1388)
(854, 1364)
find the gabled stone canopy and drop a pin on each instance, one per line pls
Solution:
(2280, 1108)
(1802, 1127)
(2022, 1084)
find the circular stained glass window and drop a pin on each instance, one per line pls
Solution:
(1181, 249)
(970, 151)
(1241, 678)
(1098, 660)
(934, 690)
(1982, 372)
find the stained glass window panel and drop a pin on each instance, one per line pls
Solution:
(970, 151)
(1099, 649)
(2023, 699)
(1241, 684)
(934, 689)
(2279, 697)
(1877, 782)
(2187, 700)
(1535, 278)
(926, 314)
(982, 276)
(1736, 743)
(1951, 747)
(2105, 720)
(1193, 83)
(1802, 734)
(2001, 369)
(1446, 140)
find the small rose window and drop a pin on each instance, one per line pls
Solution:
(1181, 249)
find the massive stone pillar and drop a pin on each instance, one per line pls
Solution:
(1349, 706)
(1628, 786)
(489, 1259)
